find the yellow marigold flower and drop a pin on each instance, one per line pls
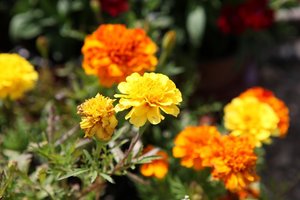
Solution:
(233, 161)
(113, 52)
(157, 168)
(17, 76)
(191, 143)
(147, 95)
(249, 116)
(98, 117)
(278, 106)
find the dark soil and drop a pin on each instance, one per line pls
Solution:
(281, 174)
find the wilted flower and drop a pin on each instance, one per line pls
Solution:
(98, 117)
(114, 7)
(113, 52)
(157, 168)
(249, 116)
(191, 143)
(17, 76)
(147, 95)
(233, 161)
(278, 106)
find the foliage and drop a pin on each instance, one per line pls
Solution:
(44, 154)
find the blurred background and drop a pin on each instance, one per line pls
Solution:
(215, 50)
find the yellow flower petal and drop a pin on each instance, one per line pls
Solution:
(146, 95)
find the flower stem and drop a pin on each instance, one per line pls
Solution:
(133, 142)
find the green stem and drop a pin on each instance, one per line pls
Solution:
(133, 142)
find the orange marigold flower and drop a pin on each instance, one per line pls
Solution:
(157, 168)
(233, 161)
(113, 52)
(251, 192)
(278, 106)
(191, 143)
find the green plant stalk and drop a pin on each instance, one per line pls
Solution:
(134, 140)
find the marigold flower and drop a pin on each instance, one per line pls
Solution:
(278, 106)
(157, 168)
(17, 76)
(113, 52)
(251, 192)
(233, 161)
(114, 7)
(191, 143)
(249, 116)
(147, 95)
(98, 117)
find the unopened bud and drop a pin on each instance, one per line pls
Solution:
(42, 46)
(95, 5)
(169, 41)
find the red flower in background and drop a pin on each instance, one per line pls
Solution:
(114, 7)
(252, 14)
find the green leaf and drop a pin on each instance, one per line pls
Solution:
(120, 144)
(94, 176)
(25, 25)
(178, 189)
(196, 25)
(162, 22)
(119, 132)
(74, 173)
(87, 155)
(107, 177)
(148, 159)
(63, 7)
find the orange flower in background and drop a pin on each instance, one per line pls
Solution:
(113, 52)
(157, 168)
(191, 145)
(233, 161)
(278, 106)
(251, 192)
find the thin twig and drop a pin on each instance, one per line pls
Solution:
(67, 135)
(51, 123)
(83, 142)
(97, 185)
(132, 144)
(137, 179)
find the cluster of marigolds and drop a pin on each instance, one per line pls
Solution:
(122, 56)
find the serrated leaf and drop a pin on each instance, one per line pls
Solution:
(73, 173)
(107, 177)
(196, 24)
(177, 188)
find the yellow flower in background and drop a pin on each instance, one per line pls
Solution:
(157, 168)
(98, 117)
(113, 52)
(278, 106)
(17, 76)
(147, 95)
(249, 116)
